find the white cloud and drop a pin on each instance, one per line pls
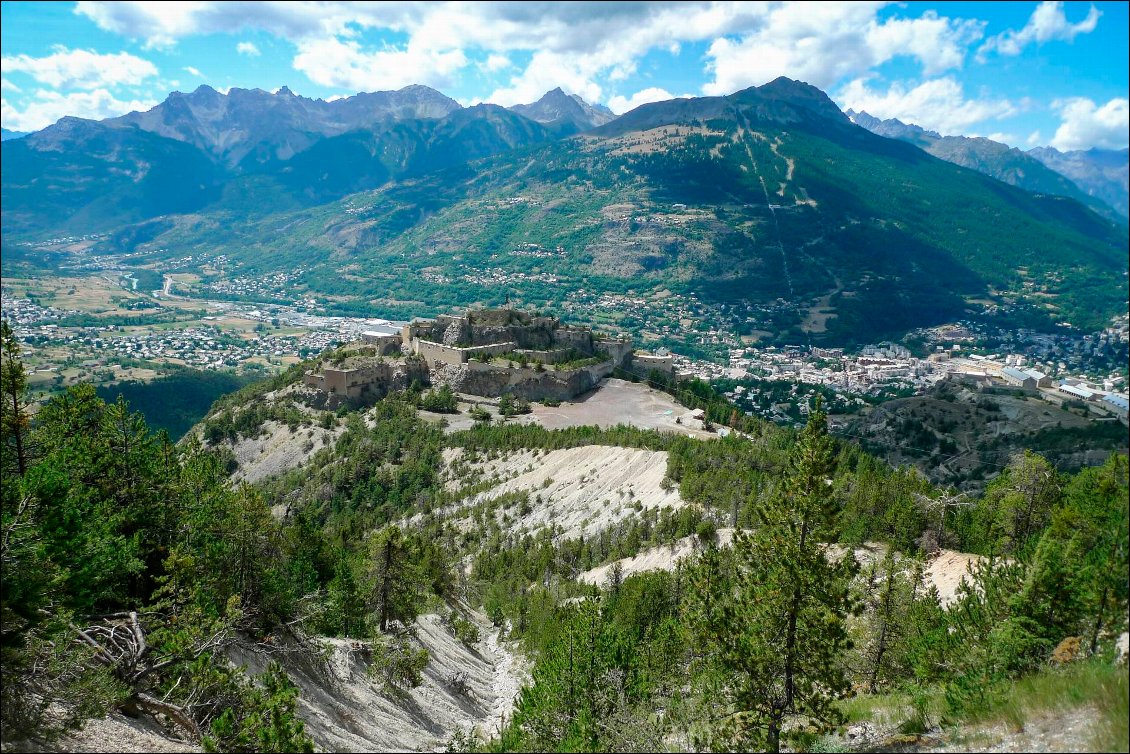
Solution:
(497, 62)
(938, 43)
(1004, 138)
(81, 69)
(1047, 23)
(583, 47)
(548, 70)
(247, 48)
(937, 104)
(343, 63)
(1085, 125)
(49, 106)
(1033, 138)
(588, 44)
(840, 40)
(620, 105)
(189, 69)
(6, 83)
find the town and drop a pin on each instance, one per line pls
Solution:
(776, 382)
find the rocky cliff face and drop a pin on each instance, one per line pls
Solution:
(252, 123)
(493, 381)
(565, 110)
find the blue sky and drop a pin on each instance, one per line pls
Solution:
(1025, 73)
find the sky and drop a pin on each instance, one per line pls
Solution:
(1025, 73)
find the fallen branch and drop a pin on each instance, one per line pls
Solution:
(179, 715)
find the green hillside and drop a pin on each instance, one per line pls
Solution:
(767, 212)
(784, 201)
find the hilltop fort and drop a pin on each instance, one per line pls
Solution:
(486, 352)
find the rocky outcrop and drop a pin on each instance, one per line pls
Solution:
(492, 381)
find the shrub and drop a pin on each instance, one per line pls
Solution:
(465, 631)
(399, 665)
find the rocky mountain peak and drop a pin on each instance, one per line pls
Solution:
(800, 94)
(559, 107)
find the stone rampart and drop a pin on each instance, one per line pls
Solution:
(437, 352)
(643, 363)
(492, 380)
(618, 349)
(386, 345)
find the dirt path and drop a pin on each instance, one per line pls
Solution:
(510, 673)
(1064, 730)
(772, 211)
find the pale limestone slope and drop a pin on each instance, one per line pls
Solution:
(582, 490)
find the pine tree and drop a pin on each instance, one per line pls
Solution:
(888, 623)
(14, 418)
(1018, 505)
(783, 629)
(396, 584)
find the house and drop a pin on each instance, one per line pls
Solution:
(1117, 404)
(1042, 380)
(1078, 393)
(1019, 378)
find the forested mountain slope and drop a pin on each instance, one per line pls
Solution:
(769, 201)
(1026, 170)
(768, 205)
(133, 569)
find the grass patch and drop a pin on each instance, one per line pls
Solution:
(1096, 684)
(909, 712)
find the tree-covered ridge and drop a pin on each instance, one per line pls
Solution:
(776, 209)
(749, 645)
(132, 566)
(784, 205)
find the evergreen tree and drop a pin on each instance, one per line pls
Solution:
(345, 604)
(1018, 504)
(783, 627)
(1078, 581)
(887, 628)
(14, 418)
(395, 582)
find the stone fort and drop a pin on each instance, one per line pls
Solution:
(487, 352)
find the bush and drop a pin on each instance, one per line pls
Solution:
(441, 401)
(263, 719)
(465, 631)
(508, 405)
(399, 665)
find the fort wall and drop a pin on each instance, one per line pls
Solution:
(645, 362)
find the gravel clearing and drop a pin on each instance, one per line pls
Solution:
(581, 490)
(621, 402)
(115, 732)
(947, 570)
(278, 450)
(345, 710)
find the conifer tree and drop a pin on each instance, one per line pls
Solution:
(783, 628)
(888, 624)
(396, 582)
(14, 415)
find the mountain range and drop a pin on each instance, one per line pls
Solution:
(1096, 177)
(769, 204)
